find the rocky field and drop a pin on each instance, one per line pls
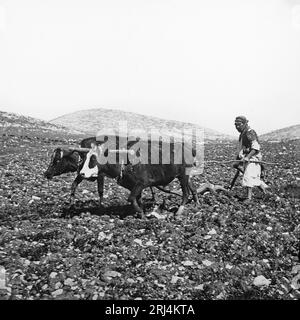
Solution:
(222, 249)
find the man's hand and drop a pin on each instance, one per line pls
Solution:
(246, 159)
(252, 153)
(236, 165)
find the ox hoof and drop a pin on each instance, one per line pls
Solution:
(140, 215)
(71, 201)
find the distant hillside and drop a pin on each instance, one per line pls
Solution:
(93, 120)
(288, 133)
(15, 124)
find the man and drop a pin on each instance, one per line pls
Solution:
(249, 150)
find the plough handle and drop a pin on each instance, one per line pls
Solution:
(251, 161)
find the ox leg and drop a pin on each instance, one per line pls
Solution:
(74, 186)
(153, 194)
(139, 200)
(184, 183)
(134, 195)
(100, 183)
(194, 191)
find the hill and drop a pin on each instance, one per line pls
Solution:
(19, 125)
(93, 120)
(288, 133)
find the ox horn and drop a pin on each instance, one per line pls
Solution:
(79, 149)
(122, 151)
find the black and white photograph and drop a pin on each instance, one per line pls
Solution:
(150, 151)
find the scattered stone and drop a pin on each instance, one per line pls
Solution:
(26, 262)
(57, 292)
(58, 285)
(207, 263)
(129, 280)
(296, 269)
(260, 281)
(212, 232)
(188, 263)
(112, 274)
(53, 275)
(149, 243)
(101, 236)
(109, 236)
(69, 282)
(2, 278)
(296, 282)
(175, 279)
(156, 215)
(138, 241)
(199, 287)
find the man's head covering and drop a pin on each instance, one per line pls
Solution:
(242, 119)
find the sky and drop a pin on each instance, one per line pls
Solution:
(195, 61)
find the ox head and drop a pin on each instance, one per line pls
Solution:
(64, 161)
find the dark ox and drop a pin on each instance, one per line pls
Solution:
(136, 177)
(72, 160)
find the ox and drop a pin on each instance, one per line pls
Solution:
(136, 177)
(72, 160)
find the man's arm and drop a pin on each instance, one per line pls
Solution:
(252, 153)
(255, 147)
